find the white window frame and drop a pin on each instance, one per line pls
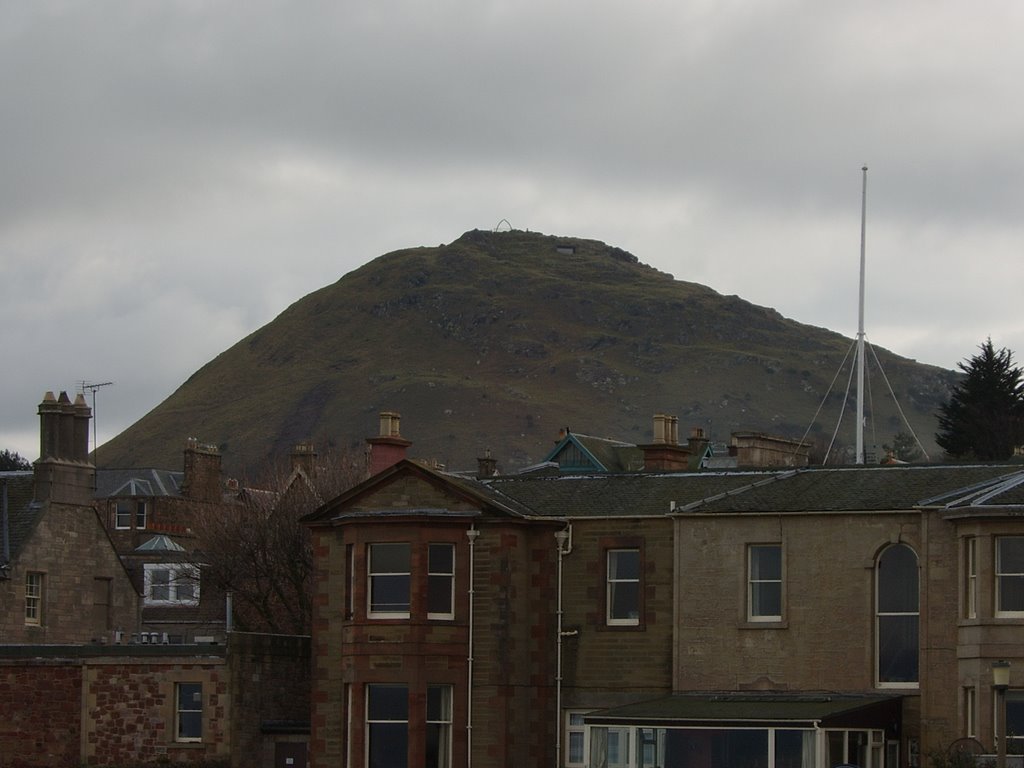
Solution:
(141, 514)
(369, 723)
(574, 728)
(123, 509)
(970, 712)
(178, 573)
(371, 575)
(880, 615)
(610, 583)
(443, 721)
(971, 577)
(753, 583)
(1001, 574)
(35, 591)
(179, 709)
(436, 575)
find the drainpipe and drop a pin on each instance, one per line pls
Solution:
(561, 538)
(471, 534)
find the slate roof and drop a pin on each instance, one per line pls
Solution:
(22, 512)
(620, 495)
(660, 494)
(853, 489)
(138, 482)
(605, 454)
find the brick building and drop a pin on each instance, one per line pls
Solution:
(242, 704)
(92, 672)
(150, 515)
(801, 617)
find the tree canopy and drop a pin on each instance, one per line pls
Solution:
(259, 551)
(12, 460)
(984, 417)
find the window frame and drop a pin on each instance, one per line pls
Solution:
(1014, 702)
(881, 615)
(35, 593)
(575, 729)
(141, 514)
(180, 709)
(754, 583)
(443, 723)
(436, 575)
(123, 509)
(371, 575)
(971, 577)
(970, 712)
(610, 585)
(177, 574)
(1000, 575)
(369, 721)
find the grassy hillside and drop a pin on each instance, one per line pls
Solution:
(499, 339)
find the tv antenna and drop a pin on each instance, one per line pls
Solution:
(91, 387)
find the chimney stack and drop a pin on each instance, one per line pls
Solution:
(486, 466)
(389, 447)
(304, 458)
(664, 452)
(63, 473)
(202, 481)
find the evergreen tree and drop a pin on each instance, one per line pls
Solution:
(984, 418)
(12, 460)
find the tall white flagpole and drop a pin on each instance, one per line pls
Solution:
(860, 320)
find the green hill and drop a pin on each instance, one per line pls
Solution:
(499, 339)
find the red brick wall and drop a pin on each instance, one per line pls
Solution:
(39, 714)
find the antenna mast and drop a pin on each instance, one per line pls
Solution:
(860, 320)
(92, 387)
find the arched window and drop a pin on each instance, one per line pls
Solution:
(896, 616)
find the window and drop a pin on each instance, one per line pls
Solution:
(896, 617)
(439, 727)
(609, 747)
(971, 578)
(1010, 576)
(970, 709)
(123, 515)
(350, 587)
(575, 734)
(764, 582)
(623, 598)
(389, 570)
(441, 581)
(1014, 721)
(167, 584)
(102, 590)
(188, 713)
(123, 511)
(34, 598)
(387, 725)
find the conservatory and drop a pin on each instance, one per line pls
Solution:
(746, 730)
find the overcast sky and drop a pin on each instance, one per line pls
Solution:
(173, 175)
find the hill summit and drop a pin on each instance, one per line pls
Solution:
(499, 339)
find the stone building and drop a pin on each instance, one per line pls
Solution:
(150, 515)
(242, 704)
(61, 580)
(800, 617)
(92, 673)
